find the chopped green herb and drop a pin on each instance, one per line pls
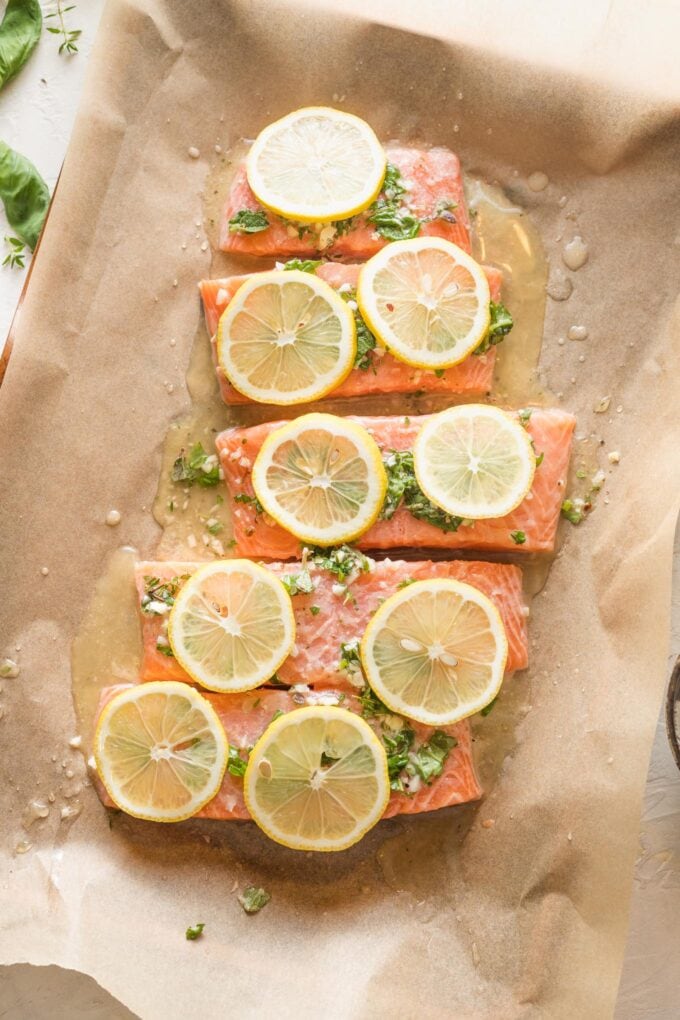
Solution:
(439, 372)
(405, 583)
(518, 537)
(298, 584)
(276, 681)
(539, 459)
(429, 760)
(489, 708)
(344, 561)
(198, 468)
(214, 527)
(194, 932)
(247, 500)
(158, 594)
(253, 899)
(315, 610)
(500, 324)
(277, 714)
(236, 765)
(371, 705)
(397, 748)
(15, 256)
(403, 490)
(349, 654)
(303, 265)
(165, 650)
(248, 221)
(19, 35)
(581, 473)
(524, 415)
(366, 344)
(572, 512)
(388, 214)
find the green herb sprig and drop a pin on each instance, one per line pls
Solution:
(248, 221)
(69, 37)
(15, 256)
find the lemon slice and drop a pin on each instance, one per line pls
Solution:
(317, 779)
(474, 461)
(160, 751)
(321, 478)
(286, 337)
(316, 164)
(232, 625)
(435, 651)
(427, 300)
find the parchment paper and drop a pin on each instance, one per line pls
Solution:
(433, 915)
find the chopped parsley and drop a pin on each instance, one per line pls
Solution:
(371, 705)
(573, 513)
(303, 265)
(500, 324)
(518, 537)
(166, 650)
(389, 216)
(344, 561)
(298, 584)
(214, 526)
(253, 899)
(163, 593)
(276, 681)
(397, 748)
(277, 714)
(524, 415)
(539, 459)
(236, 765)
(430, 758)
(315, 610)
(196, 468)
(349, 655)
(194, 932)
(247, 500)
(403, 490)
(248, 221)
(366, 344)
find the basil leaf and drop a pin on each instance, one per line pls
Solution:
(248, 221)
(24, 195)
(19, 34)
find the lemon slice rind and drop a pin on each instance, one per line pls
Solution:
(438, 648)
(268, 355)
(288, 756)
(275, 459)
(106, 740)
(260, 603)
(449, 303)
(504, 464)
(316, 164)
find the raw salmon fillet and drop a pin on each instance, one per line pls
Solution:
(387, 375)
(340, 620)
(246, 716)
(537, 516)
(433, 176)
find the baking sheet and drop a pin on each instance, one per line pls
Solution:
(527, 917)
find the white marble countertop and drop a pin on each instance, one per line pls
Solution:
(37, 111)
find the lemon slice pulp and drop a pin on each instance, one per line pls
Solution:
(316, 164)
(321, 478)
(286, 337)
(232, 625)
(474, 461)
(435, 651)
(427, 300)
(317, 779)
(160, 751)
